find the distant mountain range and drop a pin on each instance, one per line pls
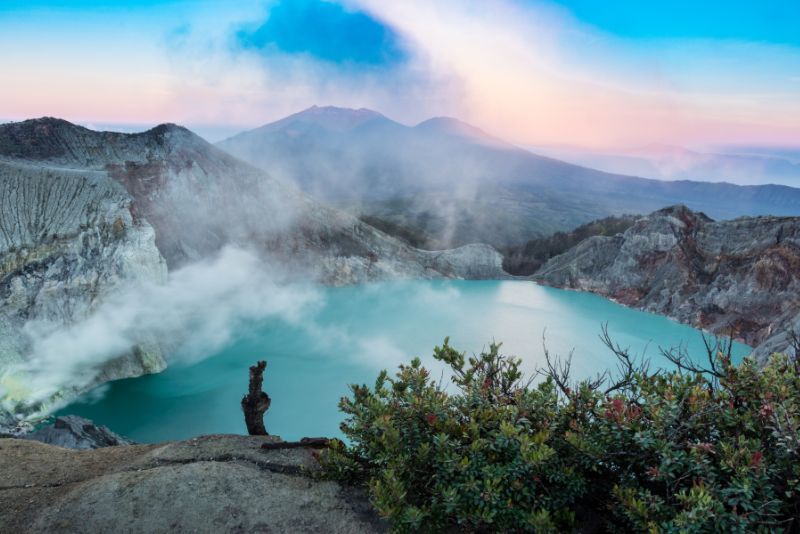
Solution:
(449, 183)
(743, 167)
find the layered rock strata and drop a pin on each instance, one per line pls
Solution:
(739, 277)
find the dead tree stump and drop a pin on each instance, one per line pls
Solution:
(256, 402)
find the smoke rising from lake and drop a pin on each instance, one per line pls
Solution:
(199, 309)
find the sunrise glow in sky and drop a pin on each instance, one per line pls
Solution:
(574, 72)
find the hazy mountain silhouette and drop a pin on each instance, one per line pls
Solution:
(452, 183)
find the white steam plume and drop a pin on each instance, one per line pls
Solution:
(201, 306)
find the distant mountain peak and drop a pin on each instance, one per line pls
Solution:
(44, 121)
(59, 141)
(41, 126)
(44, 137)
(176, 131)
(332, 117)
(167, 127)
(683, 212)
(336, 110)
(53, 127)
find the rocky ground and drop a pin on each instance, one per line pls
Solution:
(221, 483)
(739, 277)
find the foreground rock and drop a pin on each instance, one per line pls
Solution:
(740, 276)
(209, 484)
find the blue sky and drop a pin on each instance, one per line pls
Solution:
(772, 21)
(586, 72)
(330, 33)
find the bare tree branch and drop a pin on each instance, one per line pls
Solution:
(627, 370)
(719, 352)
(557, 369)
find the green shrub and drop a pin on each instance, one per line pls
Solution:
(691, 450)
(527, 259)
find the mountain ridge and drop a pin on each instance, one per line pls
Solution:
(461, 189)
(668, 162)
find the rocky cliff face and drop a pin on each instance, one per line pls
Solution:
(67, 239)
(740, 276)
(84, 213)
(198, 199)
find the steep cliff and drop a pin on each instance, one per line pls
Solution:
(740, 276)
(67, 239)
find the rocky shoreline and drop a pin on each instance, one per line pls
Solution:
(738, 277)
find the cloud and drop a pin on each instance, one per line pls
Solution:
(327, 31)
(527, 71)
(532, 73)
(268, 63)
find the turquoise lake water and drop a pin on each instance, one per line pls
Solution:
(357, 331)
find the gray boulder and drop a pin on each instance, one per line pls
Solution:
(73, 432)
(208, 484)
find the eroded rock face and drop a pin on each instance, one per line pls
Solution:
(381, 257)
(67, 240)
(741, 275)
(73, 432)
(198, 199)
(207, 484)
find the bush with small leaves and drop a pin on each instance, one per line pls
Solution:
(689, 450)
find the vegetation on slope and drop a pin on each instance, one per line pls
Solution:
(416, 237)
(526, 260)
(522, 260)
(689, 450)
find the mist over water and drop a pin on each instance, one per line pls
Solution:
(348, 334)
(200, 309)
